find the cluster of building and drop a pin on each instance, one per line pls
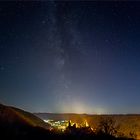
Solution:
(64, 124)
(60, 125)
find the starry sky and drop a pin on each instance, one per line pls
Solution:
(76, 56)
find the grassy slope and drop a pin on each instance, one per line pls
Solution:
(14, 115)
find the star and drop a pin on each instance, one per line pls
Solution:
(43, 21)
(2, 68)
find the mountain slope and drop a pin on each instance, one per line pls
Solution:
(17, 122)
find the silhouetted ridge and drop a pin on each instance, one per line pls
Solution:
(17, 122)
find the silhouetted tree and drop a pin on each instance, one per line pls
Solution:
(133, 134)
(108, 126)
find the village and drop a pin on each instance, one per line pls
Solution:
(63, 125)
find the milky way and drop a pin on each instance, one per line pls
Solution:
(80, 57)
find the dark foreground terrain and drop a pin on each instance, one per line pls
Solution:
(16, 124)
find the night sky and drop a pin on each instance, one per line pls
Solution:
(80, 57)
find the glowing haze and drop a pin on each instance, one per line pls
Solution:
(78, 57)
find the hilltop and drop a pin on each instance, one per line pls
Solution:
(15, 115)
(17, 122)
